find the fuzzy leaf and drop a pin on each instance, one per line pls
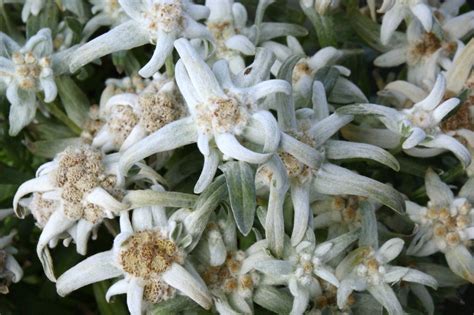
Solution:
(74, 100)
(240, 178)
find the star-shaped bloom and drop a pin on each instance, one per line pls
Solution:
(445, 224)
(307, 67)
(396, 10)
(418, 128)
(304, 165)
(427, 53)
(25, 71)
(10, 270)
(71, 194)
(228, 271)
(234, 39)
(220, 112)
(302, 267)
(130, 117)
(106, 13)
(367, 268)
(159, 22)
(339, 214)
(149, 256)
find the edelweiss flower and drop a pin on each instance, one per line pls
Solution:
(25, 71)
(340, 214)
(133, 84)
(396, 10)
(131, 117)
(10, 270)
(220, 111)
(227, 23)
(106, 13)
(427, 52)
(149, 256)
(71, 194)
(228, 272)
(367, 268)
(306, 69)
(445, 225)
(417, 128)
(304, 165)
(304, 266)
(159, 22)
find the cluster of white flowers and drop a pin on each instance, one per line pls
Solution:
(231, 159)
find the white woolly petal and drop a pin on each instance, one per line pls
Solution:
(102, 198)
(435, 96)
(390, 22)
(202, 78)
(119, 287)
(96, 268)
(392, 58)
(444, 109)
(300, 198)
(39, 184)
(449, 143)
(385, 296)
(242, 44)
(389, 250)
(83, 232)
(180, 279)
(326, 274)
(230, 146)
(211, 162)
(163, 48)
(271, 130)
(138, 133)
(438, 192)
(424, 15)
(417, 135)
(269, 87)
(135, 297)
(174, 135)
(49, 88)
(142, 219)
(14, 267)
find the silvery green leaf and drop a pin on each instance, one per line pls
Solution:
(390, 250)
(346, 92)
(443, 275)
(328, 76)
(368, 232)
(366, 304)
(49, 148)
(240, 179)
(172, 306)
(438, 192)
(388, 116)
(146, 198)
(335, 180)
(382, 138)
(424, 296)
(75, 102)
(467, 190)
(273, 299)
(339, 150)
(461, 262)
(270, 30)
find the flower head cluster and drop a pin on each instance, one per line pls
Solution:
(234, 171)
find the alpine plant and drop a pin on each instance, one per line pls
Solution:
(237, 157)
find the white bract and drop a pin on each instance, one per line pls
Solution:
(148, 255)
(71, 194)
(159, 22)
(426, 53)
(418, 128)
(303, 165)
(130, 117)
(106, 13)
(304, 266)
(445, 224)
(367, 268)
(25, 71)
(396, 10)
(10, 270)
(220, 112)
